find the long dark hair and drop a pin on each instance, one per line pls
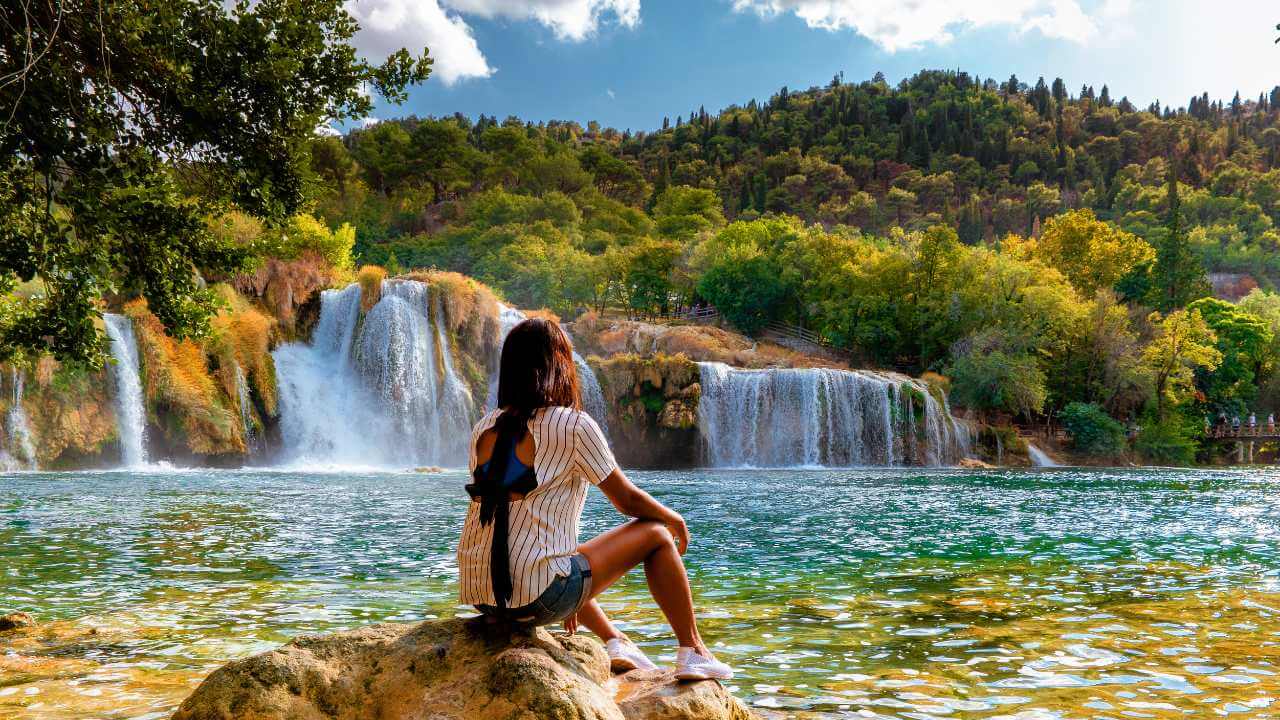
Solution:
(536, 371)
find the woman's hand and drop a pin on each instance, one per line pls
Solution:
(680, 531)
(571, 624)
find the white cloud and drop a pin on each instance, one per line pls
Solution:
(610, 93)
(573, 20)
(388, 25)
(909, 24)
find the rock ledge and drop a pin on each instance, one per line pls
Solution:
(447, 670)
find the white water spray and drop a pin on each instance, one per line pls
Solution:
(381, 390)
(821, 417)
(131, 414)
(20, 453)
(1039, 458)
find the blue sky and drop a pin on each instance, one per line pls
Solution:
(629, 63)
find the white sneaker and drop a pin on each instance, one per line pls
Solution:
(692, 666)
(624, 656)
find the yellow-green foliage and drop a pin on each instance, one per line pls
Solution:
(370, 278)
(69, 411)
(237, 227)
(183, 399)
(305, 234)
(242, 336)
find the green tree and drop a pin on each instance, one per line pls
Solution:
(1093, 254)
(109, 104)
(1244, 341)
(682, 212)
(1183, 343)
(1177, 277)
(988, 374)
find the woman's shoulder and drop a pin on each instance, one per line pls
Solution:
(486, 422)
(566, 416)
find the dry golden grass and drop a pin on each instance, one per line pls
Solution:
(284, 286)
(611, 336)
(370, 278)
(183, 397)
(242, 335)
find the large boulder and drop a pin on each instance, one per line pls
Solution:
(447, 670)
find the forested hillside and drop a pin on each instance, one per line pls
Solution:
(1040, 247)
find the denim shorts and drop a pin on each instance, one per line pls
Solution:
(563, 597)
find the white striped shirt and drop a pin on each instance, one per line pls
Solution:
(569, 452)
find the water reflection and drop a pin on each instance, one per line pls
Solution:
(897, 594)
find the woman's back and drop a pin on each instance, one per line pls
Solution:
(569, 451)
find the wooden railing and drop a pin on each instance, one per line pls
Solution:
(694, 314)
(1244, 432)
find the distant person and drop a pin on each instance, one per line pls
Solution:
(532, 462)
(1271, 423)
(1235, 424)
(1253, 424)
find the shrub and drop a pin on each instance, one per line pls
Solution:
(1092, 430)
(305, 233)
(1169, 442)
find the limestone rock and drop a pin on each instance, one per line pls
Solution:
(15, 620)
(445, 670)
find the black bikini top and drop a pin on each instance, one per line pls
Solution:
(491, 485)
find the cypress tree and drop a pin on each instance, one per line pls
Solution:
(1177, 276)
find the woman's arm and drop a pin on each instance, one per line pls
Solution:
(634, 502)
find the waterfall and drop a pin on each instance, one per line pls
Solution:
(821, 417)
(20, 453)
(377, 391)
(592, 395)
(246, 411)
(131, 415)
(1039, 458)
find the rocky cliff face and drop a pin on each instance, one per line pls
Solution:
(69, 414)
(447, 670)
(653, 409)
(607, 337)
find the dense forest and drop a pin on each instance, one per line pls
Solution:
(1057, 256)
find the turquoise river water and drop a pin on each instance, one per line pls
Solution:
(896, 593)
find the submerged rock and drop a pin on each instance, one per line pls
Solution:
(446, 670)
(15, 620)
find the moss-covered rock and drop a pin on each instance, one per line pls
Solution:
(192, 415)
(1001, 445)
(70, 414)
(609, 336)
(653, 408)
(289, 290)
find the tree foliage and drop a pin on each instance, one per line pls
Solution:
(127, 125)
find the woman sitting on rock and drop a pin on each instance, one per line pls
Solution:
(531, 462)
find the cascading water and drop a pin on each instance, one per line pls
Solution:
(820, 416)
(327, 416)
(20, 453)
(131, 416)
(246, 411)
(376, 391)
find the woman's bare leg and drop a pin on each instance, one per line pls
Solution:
(646, 542)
